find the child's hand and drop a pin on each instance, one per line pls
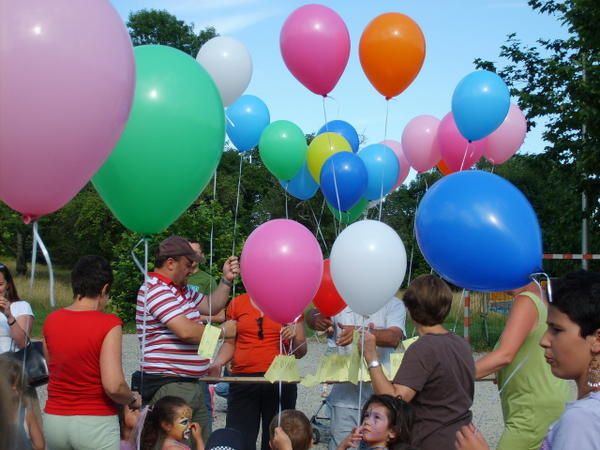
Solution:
(352, 440)
(469, 438)
(196, 430)
(281, 441)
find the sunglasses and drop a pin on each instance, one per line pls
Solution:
(261, 334)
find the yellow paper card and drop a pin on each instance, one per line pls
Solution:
(336, 368)
(283, 368)
(309, 381)
(408, 342)
(209, 341)
(395, 361)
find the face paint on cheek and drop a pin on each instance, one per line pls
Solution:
(187, 432)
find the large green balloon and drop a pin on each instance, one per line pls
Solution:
(352, 214)
(171, 145)
(283, 148)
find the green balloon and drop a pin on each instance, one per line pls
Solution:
(171, 144)
(283, 148)
(352, 214)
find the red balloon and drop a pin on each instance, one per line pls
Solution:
(327, 300)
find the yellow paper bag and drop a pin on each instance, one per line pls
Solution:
(408, 342)
(209, 341)
(283, 368)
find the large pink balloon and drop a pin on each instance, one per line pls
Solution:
(419, 142)
(281, 267)
(457, 152)
(508, 137)
(404, 164)
(66, 88)
(315, 45)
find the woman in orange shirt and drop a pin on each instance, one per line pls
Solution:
(256, 344)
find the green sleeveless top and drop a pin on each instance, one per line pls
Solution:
(532, 398)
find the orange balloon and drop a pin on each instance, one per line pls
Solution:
(392, 51)
(443, 167)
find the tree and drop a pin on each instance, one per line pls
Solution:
(558, 80)
(151, 26)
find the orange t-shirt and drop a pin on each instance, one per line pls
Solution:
(252, 354)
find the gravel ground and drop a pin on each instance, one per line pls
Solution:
(486, 407)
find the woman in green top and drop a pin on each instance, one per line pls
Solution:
(532, 398)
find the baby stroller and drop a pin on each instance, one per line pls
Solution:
(321, 422)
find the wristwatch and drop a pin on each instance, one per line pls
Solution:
(226, 282)
(374, 363)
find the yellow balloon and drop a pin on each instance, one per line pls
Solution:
(322, 147)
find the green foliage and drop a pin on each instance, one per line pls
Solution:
(151, 26)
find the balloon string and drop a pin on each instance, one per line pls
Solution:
(412, 248)
(33, 259)
(387, 113)
(460, 308)
(38, 239)
(360, 370)
(237, 205)
(280, 352)
(144, 305)
(337, 193)
(381, 192)
(210, 258)
(318, 222)
(286, 204)
(465, 156)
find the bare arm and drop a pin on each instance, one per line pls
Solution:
(387, 337)
(316, 321)
(185, 329)
(523, 318)
(215, 318)
(223, 357)
(21, 329)
(35, 430)
(220, 295)
(299, 341)
(111, 369)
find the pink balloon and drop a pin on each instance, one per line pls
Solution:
(419, 142)
(404, 164)
(508, 138)
(315, 45)
(67, 83)
(457, 152)
(282, 266)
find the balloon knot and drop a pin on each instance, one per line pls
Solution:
(27, 219)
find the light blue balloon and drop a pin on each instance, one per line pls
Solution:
(382, 168)
(247, 117)
(302, 186)
(479, 232)
(344, 129)
(480, 104)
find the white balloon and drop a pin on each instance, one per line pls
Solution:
(228, 62)
(368, 264)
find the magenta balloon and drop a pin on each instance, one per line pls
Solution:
(404, 164)
(67, 83)
(419, 142)
(315, 46)
(508, 138)
(281, 266)
(457, 152)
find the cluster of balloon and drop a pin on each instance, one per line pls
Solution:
(247, 118)
(281, 267)
(175, 134)
(368, 264)
(62, 109)
(302, 185)
(283, 148)
(344, 129)
(315, 33)
(479, 232)
(420, 144)
(328, 300)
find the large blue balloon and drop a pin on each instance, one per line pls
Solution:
(343, 128)
(247, 117)
(480, 103)
(302, 186)
(348, 172)
(479, 232)
(383, 167)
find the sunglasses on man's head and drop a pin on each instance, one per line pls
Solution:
(261, 334)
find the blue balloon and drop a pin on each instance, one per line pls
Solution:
(247, 117)
(344, 129)
(480, 104)
(348, 172)
(479, 232)
(383, 167)
(302, 186)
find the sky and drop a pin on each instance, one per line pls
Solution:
(456, 32)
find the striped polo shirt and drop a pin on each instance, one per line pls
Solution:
(164, 352)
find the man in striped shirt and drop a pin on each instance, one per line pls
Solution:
(169, 325)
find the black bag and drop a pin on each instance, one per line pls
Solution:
(34, 363)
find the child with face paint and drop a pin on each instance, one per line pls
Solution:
(386, 425)
(168, 426)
